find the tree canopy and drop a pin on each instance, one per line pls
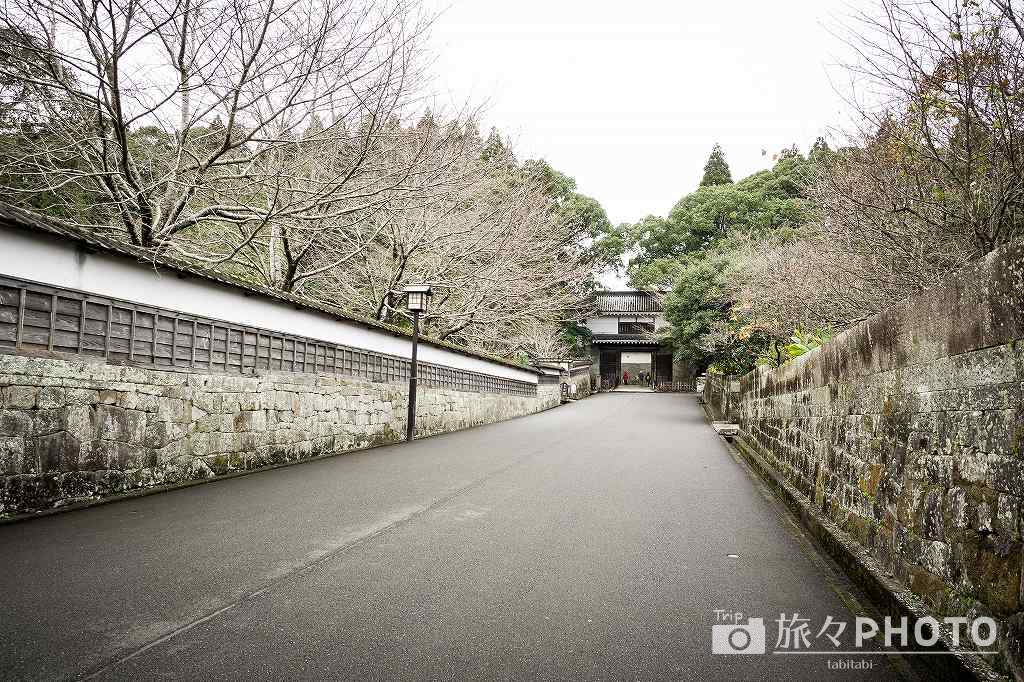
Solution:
(692, 255)
(770, 200)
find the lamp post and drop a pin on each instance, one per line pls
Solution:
(417, 297)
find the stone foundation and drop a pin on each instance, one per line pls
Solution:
(78, 430)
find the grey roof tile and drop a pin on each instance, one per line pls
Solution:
(628, 302)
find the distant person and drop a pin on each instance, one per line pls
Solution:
(625, 377)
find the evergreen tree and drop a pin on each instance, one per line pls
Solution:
(495, 150)
(819, 149)
(314, 129)
(716, 170)
(427, 122)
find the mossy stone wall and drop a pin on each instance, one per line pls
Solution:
(77, 430)
(908, 431)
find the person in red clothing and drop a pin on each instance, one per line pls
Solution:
(625, 377)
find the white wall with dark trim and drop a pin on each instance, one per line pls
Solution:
(48, 260)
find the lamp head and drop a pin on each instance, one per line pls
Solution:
(417, 296)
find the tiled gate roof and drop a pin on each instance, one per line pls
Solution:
(627, 302)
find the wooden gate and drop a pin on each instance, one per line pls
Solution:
(662, 369)
(611, 368)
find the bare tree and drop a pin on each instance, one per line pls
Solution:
(490, 240)
(399, 165)
(933, 179)
(542, 341)
(268, 139)
(940, 154)
(182, 117)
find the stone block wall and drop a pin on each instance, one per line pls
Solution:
(721, 395)
(582, 379)
(908, 431)
(683, 372)
(75, 430)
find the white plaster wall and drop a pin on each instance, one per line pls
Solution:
(48, 260)
(609, 324)
(603, 325)
(634, 358)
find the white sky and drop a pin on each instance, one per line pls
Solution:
(628, 97)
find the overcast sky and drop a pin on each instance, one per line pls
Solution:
(628, 97)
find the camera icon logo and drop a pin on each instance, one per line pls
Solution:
(734, 638)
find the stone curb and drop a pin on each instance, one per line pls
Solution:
(887, 595)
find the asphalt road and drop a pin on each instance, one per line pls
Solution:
(589, 541)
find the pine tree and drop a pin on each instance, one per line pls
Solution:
(819, 149)
(314, 129)
(495, 150)
(716, 170)
(427, 122)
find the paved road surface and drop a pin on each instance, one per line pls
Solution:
(592, 541)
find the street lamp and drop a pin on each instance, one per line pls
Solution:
(417, 296)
